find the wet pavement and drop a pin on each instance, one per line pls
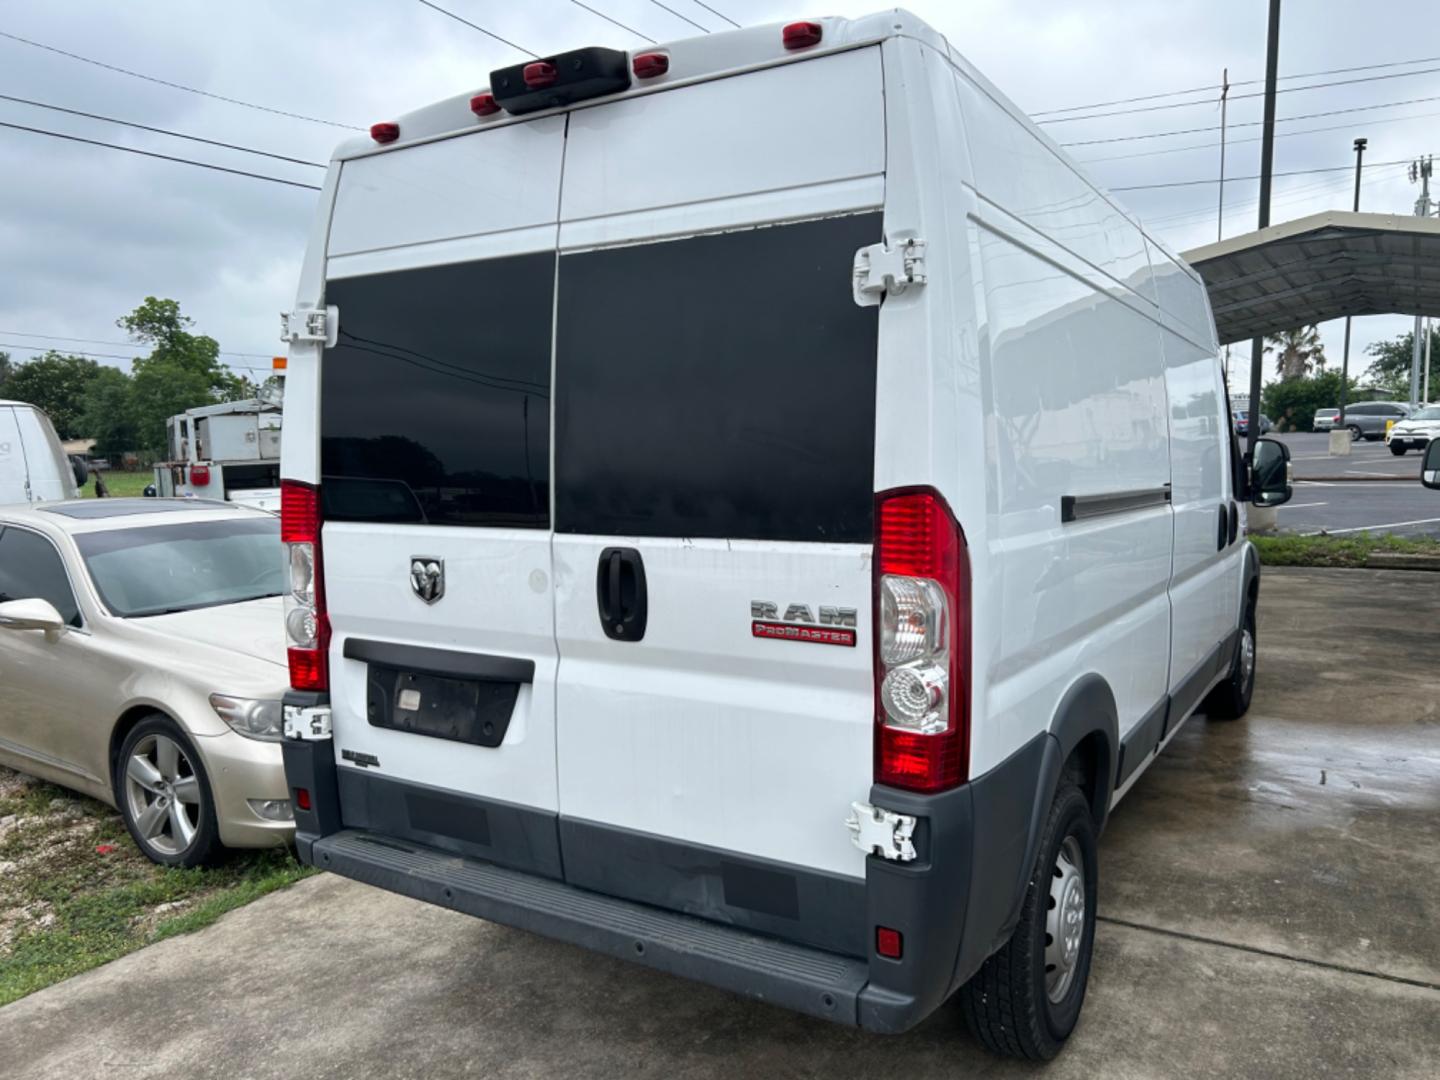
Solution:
(1270, 897)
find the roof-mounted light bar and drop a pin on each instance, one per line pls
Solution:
(563, 79)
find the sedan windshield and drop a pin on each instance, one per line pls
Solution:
(159, 569)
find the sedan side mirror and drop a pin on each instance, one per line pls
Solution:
(31, 614)
(1430, 465)
(1270, 473)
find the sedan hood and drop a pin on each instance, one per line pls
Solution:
(255, 629)
(1416, 427)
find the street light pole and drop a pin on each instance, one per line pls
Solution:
(1420, 170)
(1360, 145)
(1267, 163)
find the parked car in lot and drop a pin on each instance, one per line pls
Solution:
(818, 680)
(1242, 423)
(1368, 419)
(1324, 419)
(1415, 431)
(143, 663)
(33, 464)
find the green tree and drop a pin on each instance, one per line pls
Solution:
(55, 383)
(7, 368)
(108, 416)
(1390, 368)
(182, 371)
(1297, 352)
(1291, 403)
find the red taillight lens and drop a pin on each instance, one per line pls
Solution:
(649, 65)
(307, 627)
(539, 75)
(801, 35)
(889, 943)
(922, 642)
(385, 133)
(484, 105)
(302, 798)
(199, 475)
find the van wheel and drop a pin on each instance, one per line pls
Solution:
(1355, 433)
(1025, 999)
(1231, 699)
(164, 795)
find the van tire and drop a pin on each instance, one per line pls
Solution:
(1006, 1004)
(1231, 699)
(1355, 433)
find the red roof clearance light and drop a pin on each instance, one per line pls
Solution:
(540, 74)
(484, 104)
(385, 133)
(649, 65)
(801, 35)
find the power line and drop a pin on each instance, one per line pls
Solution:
(122, 344)
(717, 14)
(162, 131)
(1241, 97)
(111, 356)
(677, 14)
(477, 26)
(1216, 86)
(1236, 179)
(175, 85)
(1253, 123)
(162, 157)
(616, 22)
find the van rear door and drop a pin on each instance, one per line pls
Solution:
(435, 466)
(714, 485)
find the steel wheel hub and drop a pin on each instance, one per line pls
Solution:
(163, 794)
(1064, 920)
(1247, 656)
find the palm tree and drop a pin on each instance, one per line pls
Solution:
(1297, 352)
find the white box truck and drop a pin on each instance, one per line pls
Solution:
(229, 451)
(754, 506)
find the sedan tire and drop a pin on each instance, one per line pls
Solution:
(164, 795)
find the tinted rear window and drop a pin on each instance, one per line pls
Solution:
(435, 403)
(719, 386)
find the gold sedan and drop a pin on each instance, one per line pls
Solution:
(142, 657)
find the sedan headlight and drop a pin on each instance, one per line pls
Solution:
(250, 717)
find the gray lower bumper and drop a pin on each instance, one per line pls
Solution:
(794, 976)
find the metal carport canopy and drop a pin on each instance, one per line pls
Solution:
(1321, 267)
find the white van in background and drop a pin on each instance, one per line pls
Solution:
(33, 465)
(762, 507)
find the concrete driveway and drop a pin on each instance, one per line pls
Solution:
(1270, 901)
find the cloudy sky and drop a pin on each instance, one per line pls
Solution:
(87, 232)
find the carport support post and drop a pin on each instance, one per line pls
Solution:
(1267, 162)
(1339, 437)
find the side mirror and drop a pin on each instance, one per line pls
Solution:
(31, 614)
(1270, 473)
(1430, 465)
(81, 470)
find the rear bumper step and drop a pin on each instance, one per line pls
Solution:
(777, 972)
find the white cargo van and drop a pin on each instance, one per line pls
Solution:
(33, 465)
(754, 506)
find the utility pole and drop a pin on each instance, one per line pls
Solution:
(1419, 170)
(1224, 102)
(1360, 145)
(1267, 163)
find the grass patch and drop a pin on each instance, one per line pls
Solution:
(1350, 550)
(120, 484)
(75, 892)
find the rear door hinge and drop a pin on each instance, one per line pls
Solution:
(884, 270)
(877, 831)
(308, 725)
(311, 325)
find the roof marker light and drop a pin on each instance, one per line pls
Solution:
(801, 35)
(385, 133)
(484, 104)
(540, 74)
(649, 65)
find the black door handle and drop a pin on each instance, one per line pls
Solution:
(620, 591)
(1224, 527)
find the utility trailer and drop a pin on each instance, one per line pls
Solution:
(228, 451)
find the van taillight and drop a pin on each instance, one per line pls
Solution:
(801, 35)
(922, 642)
(307, 627)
